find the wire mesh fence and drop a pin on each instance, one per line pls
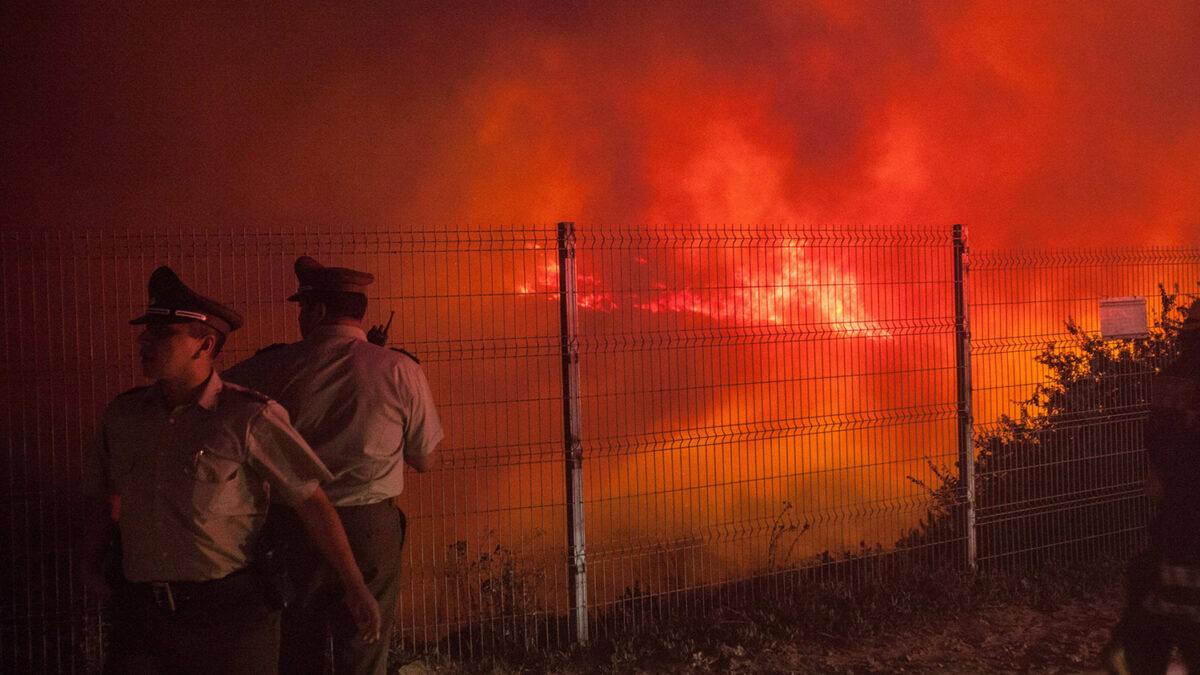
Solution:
(1059, 408)
(753, 402)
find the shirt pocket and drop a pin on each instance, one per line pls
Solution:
(218, 484)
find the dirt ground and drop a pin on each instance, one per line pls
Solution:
(1064, 637)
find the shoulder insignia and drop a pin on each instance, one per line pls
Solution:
(268, 348)
(135, 390)
(397, 349)
(246, 391)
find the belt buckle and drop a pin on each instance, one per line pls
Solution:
(163, 597)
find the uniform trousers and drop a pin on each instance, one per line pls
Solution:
(193, 628)
(1163, 611)
(318, 611)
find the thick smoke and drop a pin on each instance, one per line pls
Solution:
(1041, 124)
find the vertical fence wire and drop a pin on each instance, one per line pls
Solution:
(765, 407)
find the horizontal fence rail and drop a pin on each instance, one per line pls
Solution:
(740, 409)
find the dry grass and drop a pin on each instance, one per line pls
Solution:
(1055, 620)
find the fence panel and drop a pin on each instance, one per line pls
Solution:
(1067, 480)
(755, 400)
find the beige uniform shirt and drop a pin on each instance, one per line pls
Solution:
(363, 408)
(191, 479)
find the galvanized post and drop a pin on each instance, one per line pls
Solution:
(572, 432)
(966, 423)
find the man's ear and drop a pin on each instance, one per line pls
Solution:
(315, 313)
(207, 344)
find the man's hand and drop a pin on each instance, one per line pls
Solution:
(325, 527)
(378, 334)
(366, 614)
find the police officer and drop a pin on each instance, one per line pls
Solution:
(1163, 598)
(192, 463)
(367, 411)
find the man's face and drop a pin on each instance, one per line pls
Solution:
(168, 350)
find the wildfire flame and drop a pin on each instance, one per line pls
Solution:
(774, 294)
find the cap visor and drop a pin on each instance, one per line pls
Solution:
(156, 318)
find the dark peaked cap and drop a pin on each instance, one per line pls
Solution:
(172, 301)
(314, 276)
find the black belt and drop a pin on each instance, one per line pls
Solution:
(173, 596)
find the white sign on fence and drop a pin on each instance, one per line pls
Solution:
(1123, 317)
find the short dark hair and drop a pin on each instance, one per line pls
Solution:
(199, 330)
(338, 304)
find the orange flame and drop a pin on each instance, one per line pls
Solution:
(776, 295)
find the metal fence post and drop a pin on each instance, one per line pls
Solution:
(572, 431)
(966, 430)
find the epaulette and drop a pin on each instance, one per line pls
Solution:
(268, 348)
(397, 349)
(252, 393)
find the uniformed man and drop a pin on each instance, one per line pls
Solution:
(367, 411)
(1163, 598)
(190, 464)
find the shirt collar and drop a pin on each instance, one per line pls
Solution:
(208, 395)
(207, 398)
(336, 330)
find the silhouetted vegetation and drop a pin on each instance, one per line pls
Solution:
(1064, 477)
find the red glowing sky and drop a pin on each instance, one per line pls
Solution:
(1037, 124)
